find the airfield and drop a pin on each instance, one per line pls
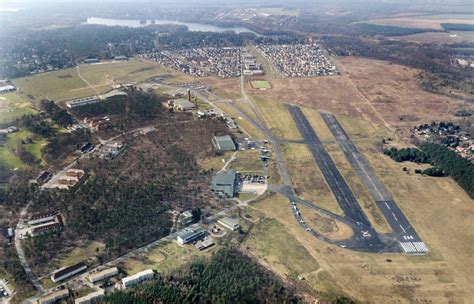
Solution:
(389, 235)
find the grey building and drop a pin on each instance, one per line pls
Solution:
(223, 184)
(224, 143)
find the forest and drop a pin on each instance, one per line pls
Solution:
(388, 30)
(460, 169)
(227, 277)
(407, 154)
(125, 203)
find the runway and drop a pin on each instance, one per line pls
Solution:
(409, 240)
(365, 238)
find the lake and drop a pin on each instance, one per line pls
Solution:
(193, 27)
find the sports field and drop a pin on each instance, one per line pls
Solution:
(260, 84)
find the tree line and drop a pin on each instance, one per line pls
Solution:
(460, 169)
(407, 154)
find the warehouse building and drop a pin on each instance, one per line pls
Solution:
(223, 184)
(68, 272)
(54, 297)
(224, 143)
(189, 235)
(103, 274)
(91, 298)
(135, 279)
(232, 223)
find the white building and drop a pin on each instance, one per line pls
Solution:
(103, 274)
(91, 298)
(54, 297)
(138, 278)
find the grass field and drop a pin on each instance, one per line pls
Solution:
(66, 84)
(260, 84)
(269, 240)
(164, 258)
(12, 106)
(216, 162)
(82, 253)
(9, 146)
(307, 179)
(277, 118)
(247, 161)
(327, 226)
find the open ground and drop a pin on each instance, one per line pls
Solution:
(67, 84)
(388, 95)
(424, 21)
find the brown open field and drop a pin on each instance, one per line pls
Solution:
(430, 22)
(438, 37)
(383, 93)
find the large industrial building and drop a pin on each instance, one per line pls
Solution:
(189, 235)
(224, 143)
(137, 278)
(68, 272)
(224, 183)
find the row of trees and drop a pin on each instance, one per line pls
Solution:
(460, 169)
(228, 277)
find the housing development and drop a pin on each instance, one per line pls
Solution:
(299, 60)
(222, 152)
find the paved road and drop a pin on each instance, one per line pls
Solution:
(21, 254)
(409, 240)
(365, 238)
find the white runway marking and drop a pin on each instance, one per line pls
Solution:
(388, 206)
(394, 216)
(414, 248)
(403, 229)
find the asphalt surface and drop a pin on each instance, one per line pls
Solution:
(365, 237)
(410, 241)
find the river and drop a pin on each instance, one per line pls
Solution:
(193, 27)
